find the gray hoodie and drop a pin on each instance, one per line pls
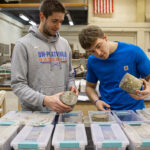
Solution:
(40, 67)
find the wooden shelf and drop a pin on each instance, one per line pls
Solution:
(38, 4)
(6, 88)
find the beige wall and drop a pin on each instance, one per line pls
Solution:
(73, 1)
(147, 10)
(124, 11)
(122, 25)
(10, 30)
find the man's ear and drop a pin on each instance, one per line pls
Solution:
(105, 37)
(42, 17)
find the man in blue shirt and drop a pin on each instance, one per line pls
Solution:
(108, 63)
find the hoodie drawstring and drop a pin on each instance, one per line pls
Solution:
(58, 57)
(51, 66)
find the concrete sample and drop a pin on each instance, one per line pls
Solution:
(130, 83)
(100, 117)
(69, 98)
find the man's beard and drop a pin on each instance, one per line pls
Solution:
(46, 32)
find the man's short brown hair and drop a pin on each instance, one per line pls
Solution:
(48, 7)
(89, 35)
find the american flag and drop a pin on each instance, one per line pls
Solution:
(103, 6)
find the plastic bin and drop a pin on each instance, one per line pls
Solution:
(104, 116)
(7, 132)
(42, 117)
(19, 117)
(72, 137)
(30, 118)
(71, 117)
(127, 116)
(31, 137)
(139, 136)
(144, 115)
(108, 136)
(147, 110)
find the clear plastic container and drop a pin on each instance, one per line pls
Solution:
(19, 117)
(127, 116)
(144, 115)
(108, 136)
(31, 137)
(139, 136)
(71, 117)
(29, 117)
(100, 116)
(7, 132)
(69, 137)
(147, 110)
(42, 117)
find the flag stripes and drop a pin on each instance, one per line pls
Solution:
(103, 6)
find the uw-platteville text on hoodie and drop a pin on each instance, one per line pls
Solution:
(40, 66)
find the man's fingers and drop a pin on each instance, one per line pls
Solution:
(101, 109)
(145, 92)
(61, 110)
(58, 109)
(73, 89)
(144, 82)
(135, 96)
(106, 105)
(60, 93)
(58, 105)
(63, 105)
(138, 97)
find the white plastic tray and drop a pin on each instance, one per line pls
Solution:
(29, 117)
(127, 116)
(72, 137)
(139, 136)
(110, 116)
(108, 136)
(71, 117)
(7, 133)
(33, 138)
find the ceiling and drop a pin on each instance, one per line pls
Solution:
(79, 14)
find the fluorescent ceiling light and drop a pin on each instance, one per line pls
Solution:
(32, 22)
(23, 17)
(71, 23)
(69, 19)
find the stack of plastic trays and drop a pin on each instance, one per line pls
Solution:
(71, 117)
(104, 116)
(31, 137)
(144, 115)
(8, 130)
(139, 136)
(108, 136)
(127, 116)
(42, 117)
(69, 137)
